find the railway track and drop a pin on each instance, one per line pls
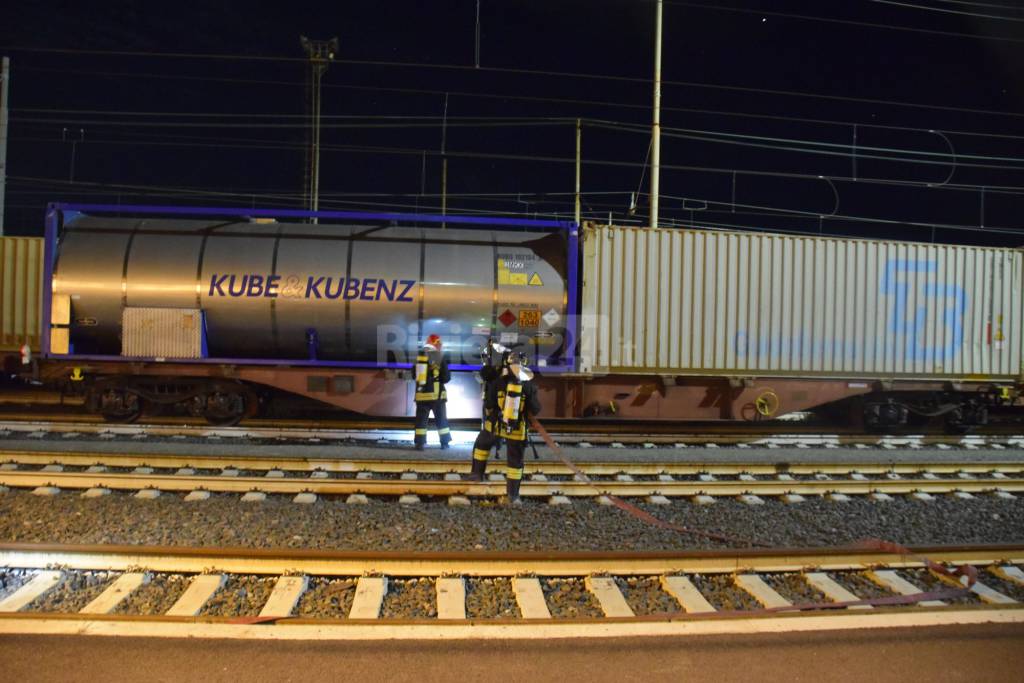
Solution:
(187, 592)
(256, 477)
(649, 436)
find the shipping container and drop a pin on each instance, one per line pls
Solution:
(21, 277)
(693, 302)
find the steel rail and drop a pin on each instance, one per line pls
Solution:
(530, 488)
(294, 569)
(487, 564)
(457, 464)
(373, 432)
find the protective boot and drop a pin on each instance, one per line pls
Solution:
(477, 473)
(512, 491)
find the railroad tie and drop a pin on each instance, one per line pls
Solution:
(42, 582)
(832, 590)
(195, 596)
(990, 595)
(530, 597)
(608, 595)
(109, 599)
(761, 591)
(889, 579)
(1009, 573)
(686, 594)
(451, 597)
(369, 597)
(285, 596)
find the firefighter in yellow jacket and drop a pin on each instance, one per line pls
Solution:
(511, 400)
(432, 374)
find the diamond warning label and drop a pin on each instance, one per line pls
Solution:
(507, 318)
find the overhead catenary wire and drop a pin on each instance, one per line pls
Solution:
(778, 210)
(581, 76)
(762, 141)
(946, 10)
(845, 22)
(974, 3)
(418, 152)
(789, 145)
(529, 98)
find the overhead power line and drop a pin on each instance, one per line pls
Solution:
(59, 182)
(945, 10)
(588, 76)
(846, 22)
(178, 141)
(529, 98)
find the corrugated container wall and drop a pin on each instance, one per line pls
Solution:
(696, 302)
(21, 277)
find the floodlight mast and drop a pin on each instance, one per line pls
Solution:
(320, 53)
(656, 123)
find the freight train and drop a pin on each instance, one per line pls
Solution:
(207, 309)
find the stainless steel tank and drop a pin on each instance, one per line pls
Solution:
(329, 292)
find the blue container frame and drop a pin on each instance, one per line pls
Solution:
(53, 211)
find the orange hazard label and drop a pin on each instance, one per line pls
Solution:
(529, 317)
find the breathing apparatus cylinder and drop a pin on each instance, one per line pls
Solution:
(513, 399)
(422, 363)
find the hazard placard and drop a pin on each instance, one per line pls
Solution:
(535, 280)
(529, 317)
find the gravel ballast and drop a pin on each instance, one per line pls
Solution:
(241, 596)
(327, 599)
(13, 579)
(794, 587)
(723, 593)
(155, 597)
(491, 598)
(860, 585)
(645, 596)
(433, 525)
(926, 581)
(74, 591)
(569, 599)
(410, 599)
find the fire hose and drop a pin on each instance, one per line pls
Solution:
(954, 574)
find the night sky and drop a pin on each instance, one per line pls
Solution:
(207, 102)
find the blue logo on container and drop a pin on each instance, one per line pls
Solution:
(950, 300)
(909, 332)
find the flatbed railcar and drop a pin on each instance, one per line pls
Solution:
(205, 308)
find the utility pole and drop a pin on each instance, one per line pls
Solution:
(320, 54)
(656, 125)
(444, 162)
(5, 79)
(579, 141)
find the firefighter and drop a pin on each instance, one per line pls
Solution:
(495, 366)
(432, 374)
(511, 400)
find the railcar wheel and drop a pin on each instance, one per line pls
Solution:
(120, 406)
(224, 408)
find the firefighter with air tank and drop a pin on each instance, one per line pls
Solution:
(431, 374)
(511, 400)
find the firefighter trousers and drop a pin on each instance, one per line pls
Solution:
(486, 440)
(423, 410)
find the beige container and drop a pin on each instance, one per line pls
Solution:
(21, 277)
(162, 332)
(672, 301)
